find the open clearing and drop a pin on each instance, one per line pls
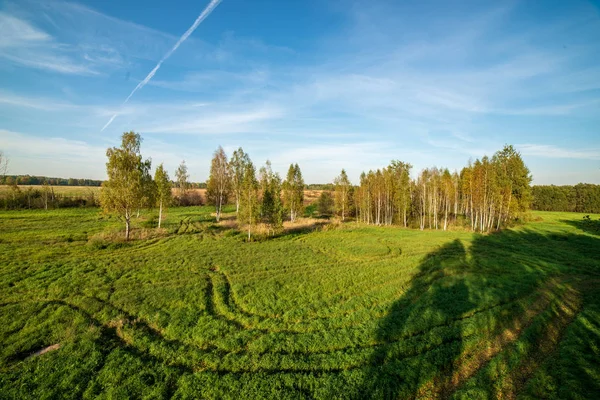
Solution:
(193, 311)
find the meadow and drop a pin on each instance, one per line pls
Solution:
(320, 311)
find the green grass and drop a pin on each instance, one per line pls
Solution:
(194, 311)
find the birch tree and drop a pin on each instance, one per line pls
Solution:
(237, 167)
(123, 192)
(46, 193)
(217, 187)
(293, 192)
(341, 191)
(249, 206)
(164, 195)
(181, 177)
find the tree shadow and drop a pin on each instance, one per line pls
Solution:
(464, 306)
(433, 299)
(588, 225)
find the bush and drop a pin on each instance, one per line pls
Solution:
(191, 198)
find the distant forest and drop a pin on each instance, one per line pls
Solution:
(583, 197)
(41, 180)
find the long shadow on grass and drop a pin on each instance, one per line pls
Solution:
(591, 226)
(435, 296)
(465, 305)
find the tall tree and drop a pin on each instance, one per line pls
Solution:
(218, 185)
(293, 192)
(148, 187)
(249, 207)
(181, 177)
(342, 198)
(271, 204)
(123, 192)
(401, 172)
(237, 167)
(164, 195)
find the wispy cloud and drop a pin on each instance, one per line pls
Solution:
(218, 121)
(15, 32)
(205, 13)
(550, 151)
(23, 44)
(37, 155)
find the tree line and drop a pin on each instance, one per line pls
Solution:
(31, 180)
(259, 198)
(583, 197)
(485, 195)
(42, 180)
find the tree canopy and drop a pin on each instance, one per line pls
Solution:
(126, 189)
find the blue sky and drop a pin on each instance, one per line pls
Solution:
(327, 84)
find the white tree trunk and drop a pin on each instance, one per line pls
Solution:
(160, 213)
(127, 224)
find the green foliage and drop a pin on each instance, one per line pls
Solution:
(342, 194)
(354, 312)
(325, 204)
(237, 167)
(182, 179)
(491, 193)
(40, 180)
(582, 197)
(271, 207)
(293, 192)
(129, 185)
(164, 195)
(248, 213)
(218, 185)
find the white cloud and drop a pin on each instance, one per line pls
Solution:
(23, 44)
(39, 103)
(16, 32)
(550, 151)
(215, 121)
(34, 155)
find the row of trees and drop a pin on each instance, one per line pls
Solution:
(263, 199)
(583, 197)
(42, 180)
(487, 193)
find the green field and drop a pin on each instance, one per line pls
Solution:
(194, 311)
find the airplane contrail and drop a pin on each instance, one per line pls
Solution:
(209, 8)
